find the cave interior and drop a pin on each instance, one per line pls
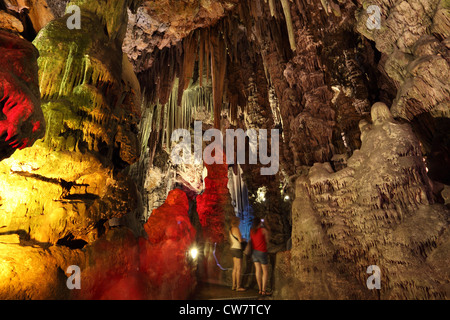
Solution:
(132, 132)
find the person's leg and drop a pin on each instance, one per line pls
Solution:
(258, 274)
(265, 276)
(238, 276)
(233, 274)
(238, 273)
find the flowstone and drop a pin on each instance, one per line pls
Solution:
(379, 210)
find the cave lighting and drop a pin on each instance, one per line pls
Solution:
(193, 253)
(23, 168)
(261, 194)
(425, 162)
(217, 260)
(18, 166)
(286, 198)
(344, 139)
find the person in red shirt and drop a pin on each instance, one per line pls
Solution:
(259, 236)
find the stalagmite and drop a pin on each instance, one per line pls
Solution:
(386, 178)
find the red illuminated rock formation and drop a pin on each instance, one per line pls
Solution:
(120, 266)
(164, 255)
(21, 121)
(110, 263)
(214, 204)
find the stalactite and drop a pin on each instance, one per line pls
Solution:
(201, 60)
(290, 27)
(61, 84)
(272, 8)
(274, 105)
(218, 69)
(239, 195)
(206, 36)
(190, 46)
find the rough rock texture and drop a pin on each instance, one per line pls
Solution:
(9, 22)
(377, 211)
(214, 204)
(414, 41)
(58, 7)
(38, 14)
(69, 184)
(164, 255)
(310, 56)
(22, 121)
(158, 24)
(31, 270)
(280, 73)
(154, 173)
(121, 266)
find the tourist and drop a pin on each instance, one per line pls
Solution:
(259, 236)
(236, 252)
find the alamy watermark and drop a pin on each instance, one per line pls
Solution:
(374, 281)
(213, 153)
(374, 20)
(74, 281)
(74, 20)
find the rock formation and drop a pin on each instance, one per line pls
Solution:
(359, 94)
(22, 121)
(68, 185)
(368, 214)
(413, 42)
(88, 101)
(157, 266)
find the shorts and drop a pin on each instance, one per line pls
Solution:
(236, 253)
(259, 256)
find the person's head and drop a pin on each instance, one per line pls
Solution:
(235, 221)
(256, 223)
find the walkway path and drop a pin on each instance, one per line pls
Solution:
(207, 291)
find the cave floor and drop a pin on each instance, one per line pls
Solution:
(208, 291)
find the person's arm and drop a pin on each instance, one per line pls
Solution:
(237, 233)
(266, 234)
(239, 236)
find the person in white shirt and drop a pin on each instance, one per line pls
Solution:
(236, 252)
